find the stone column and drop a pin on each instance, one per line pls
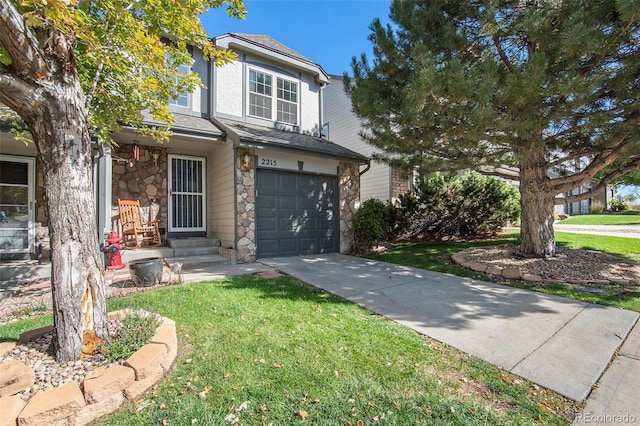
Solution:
(349, 187)
(246, 206)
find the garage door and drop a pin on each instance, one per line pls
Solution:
(296, 213)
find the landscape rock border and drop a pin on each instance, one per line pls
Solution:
(515, 273)
(101, 393)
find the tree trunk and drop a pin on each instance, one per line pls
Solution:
(60, 131)
(537, 204)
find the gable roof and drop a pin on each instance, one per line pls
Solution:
(264, 45)
(250, 135)
(268, 42)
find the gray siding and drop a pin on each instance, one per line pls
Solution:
(344, 127)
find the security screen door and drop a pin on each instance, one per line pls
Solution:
(187, 194)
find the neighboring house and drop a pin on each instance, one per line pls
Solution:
(245, 165)
(380, 181)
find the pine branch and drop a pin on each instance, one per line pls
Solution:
(601, 185)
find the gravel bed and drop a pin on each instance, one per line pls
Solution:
(568, 264)
(49, 372)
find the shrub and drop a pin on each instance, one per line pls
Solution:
(136, 329)
(458, 206)
(370, 225)
(620, 204)
(597, 207)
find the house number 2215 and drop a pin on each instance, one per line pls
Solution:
(268, 162)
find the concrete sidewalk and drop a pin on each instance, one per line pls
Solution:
(562, 344)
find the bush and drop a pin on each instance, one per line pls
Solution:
(370, 225)
(458, 206)
(135, 331)
(620, 204)
(597, 207)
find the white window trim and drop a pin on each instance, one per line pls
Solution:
(274, 96)
(189, 95)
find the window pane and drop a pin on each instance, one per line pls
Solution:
(287, 90)
(260, 106)
(287, 112)
(260, 94)
(13, 172)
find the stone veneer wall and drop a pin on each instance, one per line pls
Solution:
(349, 187)
(246, 207)
(399, 183)
(145, 181)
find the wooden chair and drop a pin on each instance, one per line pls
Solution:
(135, 232)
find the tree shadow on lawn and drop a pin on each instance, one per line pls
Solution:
(284, 287)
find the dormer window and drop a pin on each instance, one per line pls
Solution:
(261, 99)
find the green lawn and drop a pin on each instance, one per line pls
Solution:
(274, 351)
(631, 217)
(437, 257)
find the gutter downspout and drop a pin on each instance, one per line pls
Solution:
(321, 110)
(366, 169)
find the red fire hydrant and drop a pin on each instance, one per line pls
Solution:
(114, 251)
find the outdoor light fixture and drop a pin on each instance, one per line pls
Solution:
(155, 157)
(246, 161)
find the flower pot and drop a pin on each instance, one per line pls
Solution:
(146, 272)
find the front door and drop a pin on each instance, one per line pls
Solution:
(17, 204)
(187, 200)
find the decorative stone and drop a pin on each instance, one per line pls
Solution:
(166, 336)
(532, 278)
(578, 282)
(6, 348)
(494, 270)
(478, 267)
(512, 273)
(15, 377)
(619, 281)
(37, 333)
(91, 412)
(10, 408)
(146, 360)
(52, 406)
(107, 383)
(140, 386)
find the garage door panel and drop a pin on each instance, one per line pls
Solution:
(287, 202)
(269, 180)
(288, 246)
(267, 224)
(309, 203)
(287, 182)
(302, 207)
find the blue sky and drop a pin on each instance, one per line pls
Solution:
(327, 32)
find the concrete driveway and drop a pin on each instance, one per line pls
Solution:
(562, 344)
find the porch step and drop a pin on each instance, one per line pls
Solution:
(194, 263)
(190, 247)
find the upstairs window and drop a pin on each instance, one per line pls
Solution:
(260, 97)
(262, 102)
(182, 100)
(287, 104)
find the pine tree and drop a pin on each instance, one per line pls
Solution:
(548, 88)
